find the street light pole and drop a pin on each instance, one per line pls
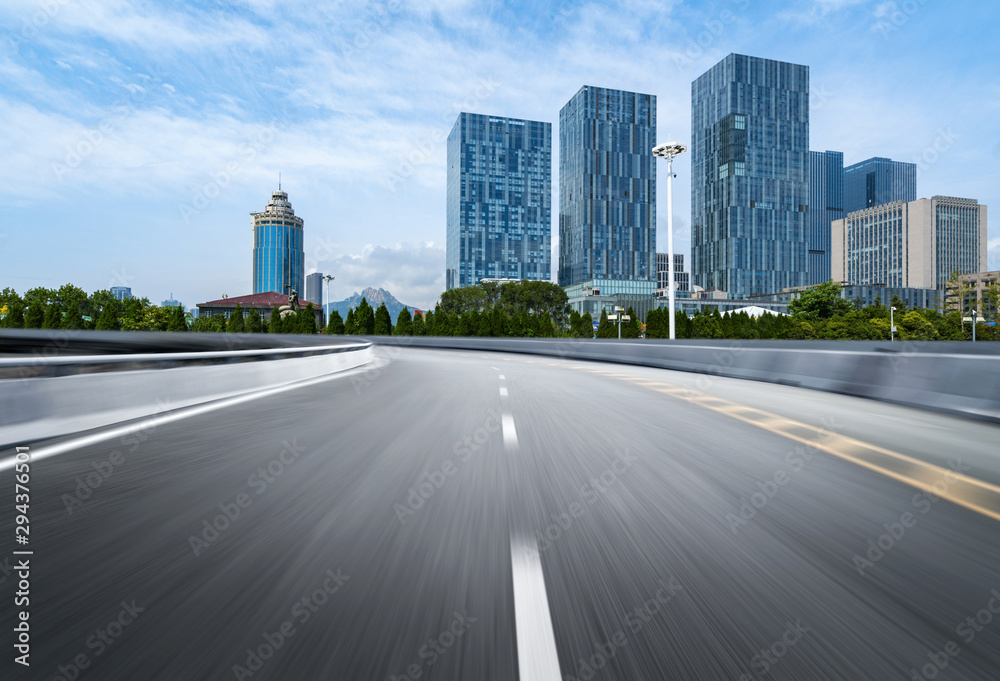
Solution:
(892, 324)
(326, 280)
(668, 151)
(975, 313)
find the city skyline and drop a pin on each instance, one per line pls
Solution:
(357, 121)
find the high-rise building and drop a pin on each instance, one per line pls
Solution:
(278, 251)
(750, 176)
(826, 204)
(171, 302)
(499, 200)
(314, 288)
(607, 192)
(915, 244)
(121, 292)
(877, 181)
(681, 278)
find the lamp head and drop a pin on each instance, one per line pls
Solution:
(669, 149)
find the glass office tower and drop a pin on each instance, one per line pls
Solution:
(607, 191)
(499, 200)
(878, 181)
(826, 204)
(278, 252)
(750, 176)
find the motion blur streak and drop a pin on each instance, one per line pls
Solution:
(675, 542)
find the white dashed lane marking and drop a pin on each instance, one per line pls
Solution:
(536, 643)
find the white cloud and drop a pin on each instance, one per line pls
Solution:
(413, 273)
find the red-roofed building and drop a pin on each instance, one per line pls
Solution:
(263, 303)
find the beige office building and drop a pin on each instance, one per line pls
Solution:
(915, 244)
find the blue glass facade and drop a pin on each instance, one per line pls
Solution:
(278, 252)
(499, 200)
(826, 204)
(877, 181)
(750, 176)
(607, 188)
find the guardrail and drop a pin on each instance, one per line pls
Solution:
(953, 377)
(52, 391)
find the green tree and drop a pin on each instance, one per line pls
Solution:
(305, 320)
(364, 319)
(53, 316)
(605, 329)
(404, 323)
(419, 327)
(335, 325)
(383, 321)
(11, 309)
(656, 323)
(350, 326)
(177, 321)
(631, 328)
(34, 316)
(253, 323)
(275, 324)
(586, 328)
(820, 302)
(235, 323)
(73, 300)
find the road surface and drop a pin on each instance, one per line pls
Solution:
(466, 515)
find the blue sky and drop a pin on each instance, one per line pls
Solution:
(139, 135)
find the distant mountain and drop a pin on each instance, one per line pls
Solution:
(375, 297)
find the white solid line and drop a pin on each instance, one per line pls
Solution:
(536, 642)
(503, 391)
(148, 422)
(509, 433)
(502, 377)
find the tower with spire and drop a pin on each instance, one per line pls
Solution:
(278, 250)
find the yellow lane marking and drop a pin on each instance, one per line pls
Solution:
(975, 495)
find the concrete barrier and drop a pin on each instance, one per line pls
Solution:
(953, 377)
(106, 389)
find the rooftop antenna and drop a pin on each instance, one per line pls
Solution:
(279, 180)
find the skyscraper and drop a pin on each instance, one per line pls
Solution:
(314, 288)
(278, 255)
(915, 244)
(877, 181)
(607, 191)
(750, 176)
(681, 278)
(499, 200)
(826, 204)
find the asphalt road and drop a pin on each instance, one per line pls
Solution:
(372, 520)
